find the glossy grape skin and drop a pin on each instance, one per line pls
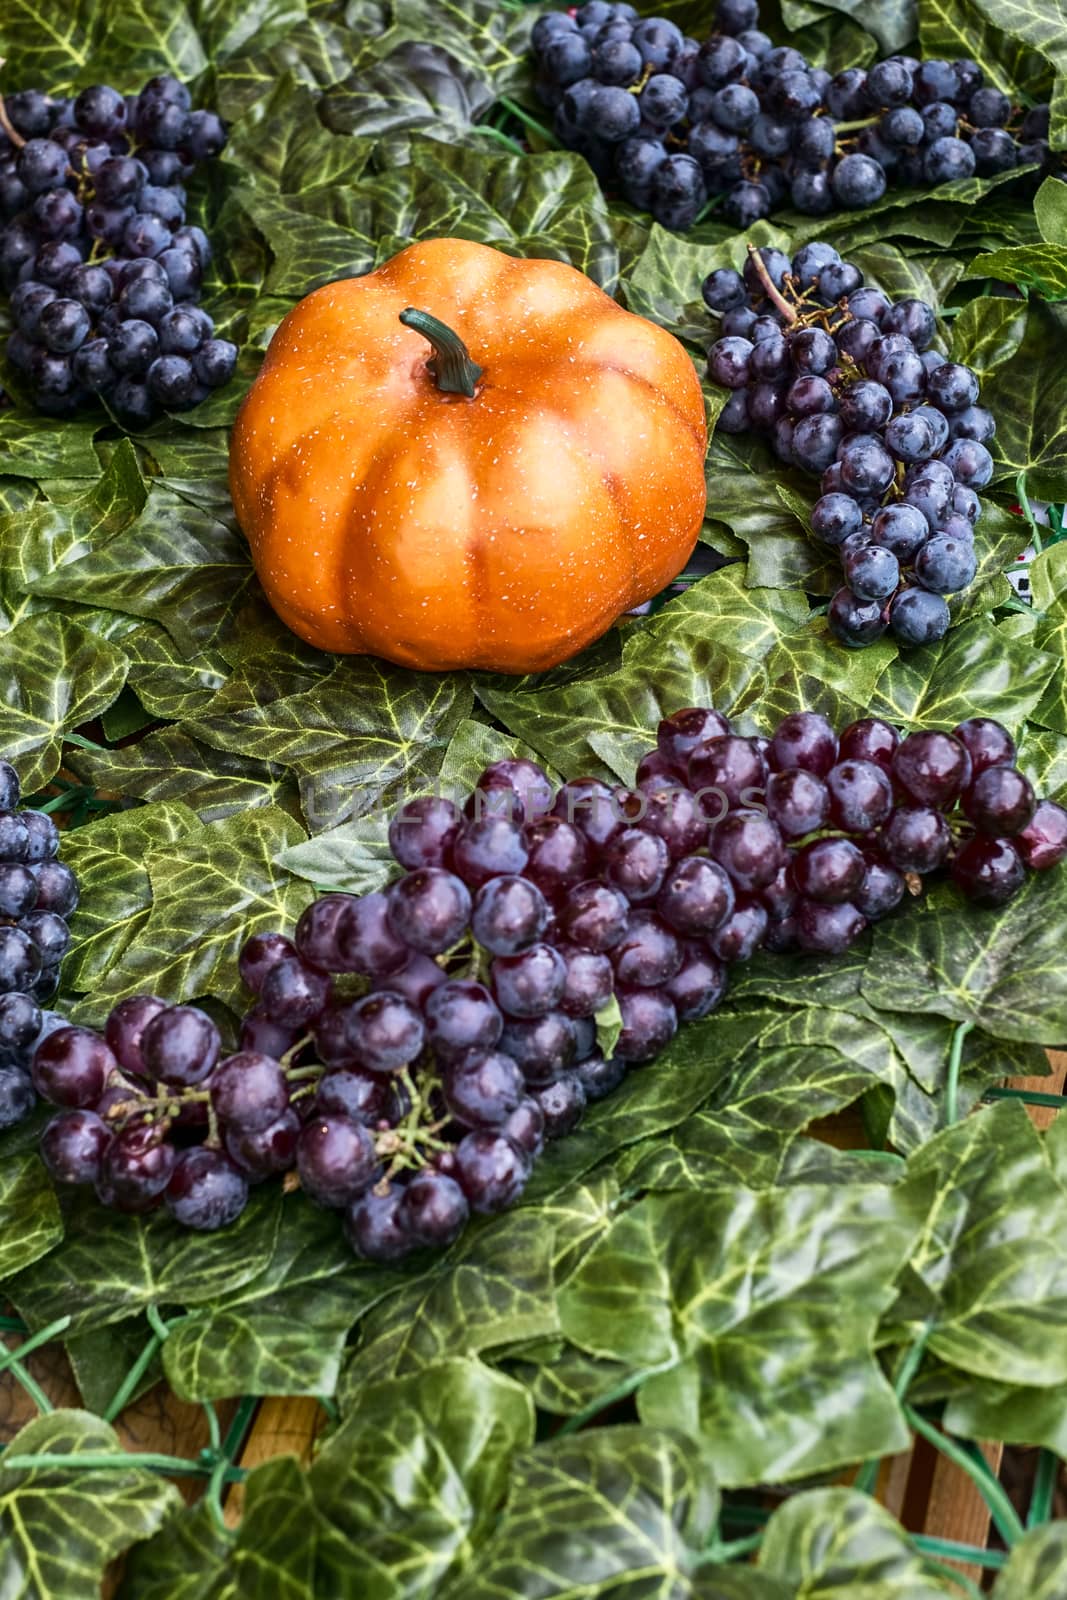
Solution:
(697, 988)
(125, 1026)
(57, 888)
(17, 1096)
(268, 1038)
(270, 1150)
(526, 1126)
(649, 1023)
(531, 983)
(462, 1015)
(861, 795)
(803, 739)
(594, 916)
(71, 1067)
(490, 1169)
(882, 889)
(294, 993)
(676, 817)
(318, 932)
(829, 871)
(916, 839)
(180, 1046)
(562, 1104)
(725, 772)
(869, 739)
(741, 934)
(249, 1091)
(423, 831)
(797, 802)
(375, 1226)
(589, 805)
(1000, 802)
(648, 954)
(828, 929)
(483, 1087)
(510, 914)
(20, 1025)
(543, 1046)
(73, 1146)
(697, 896)
(589, 981)
(558, 854)
(988, 871)
(336, 1159)
(750, 847)
(932, 768)
(1043, 842)
(636, 864)
(433, 1209)
(364, 1096)
(429, 909)
(366, 941)
(206, 1191)
(138, 1163)
(986, 742)
(487, 848)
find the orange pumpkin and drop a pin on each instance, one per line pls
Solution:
(498, 509)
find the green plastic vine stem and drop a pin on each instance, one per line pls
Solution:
(952, 1079)
(1001, 1509)
(1027, 509)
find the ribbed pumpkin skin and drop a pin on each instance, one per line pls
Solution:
(505, 531)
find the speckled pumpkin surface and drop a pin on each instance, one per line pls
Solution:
(505, 530)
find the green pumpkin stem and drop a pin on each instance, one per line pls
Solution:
(451, 366)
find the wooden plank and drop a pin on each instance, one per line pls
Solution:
(284, 1425)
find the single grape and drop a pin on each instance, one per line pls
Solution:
(249, 1091)
(649, 1023)
(829, 870)
(543, 1046)
(416, 980)
(932, 767)
(558, 854)
(726, 772)
(206, 1191)
(483, 1087)
(57, 888)
(366, 941)
(861, 795)
(750, 847)
(20, 961)
(433, 1209)
(741, 934)
(881, 891)
(697, 988)
(18, 890)
(514, 788)
(375, 1226)
(17, 1097)
(317, 940)
(384, 1032)
(272, 1149)
(835, 516)
(138, 1163)
(125, 1026)
(293, 992)
(488, 848)
(916, 839)
(828, 929)
(462, 1015)
(588, 983)
(267, 1038)
(429, 909)
(598, 1076)
(531, 983)
(853, 621)
(697, 896)
(797, 801)
(510, 914)
(179, 1046)
(71, 1067)
(562, 1104)
(988, 871)
(901, 529)
(916, 616)
(20, 1024)
(589, 805)
(490, 1169)
(49, 933)
(649, 952)
(999, 801)
(987, 743)
(1043, 842)
(73, 1146)
(336, 1159)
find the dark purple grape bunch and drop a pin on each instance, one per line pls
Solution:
(737, 122)
(848, 385)
(38, 893)
(410, 1052)
(102, 266)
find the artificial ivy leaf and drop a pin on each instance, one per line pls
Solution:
(188, 1559)
(893, 25)
(1043, 757)
(759, 1309)
(635, 1503)
(981, 1408)
(1036, 1569)
(1048, 586)
(211, 890)
(108, 856)
(54, 676)
(280, 143)
(810, 669)
(961, 28)
(1001, 969)
(492, 1288)
(30, 1224)
(837, 1542)
(1025, 396)
(367, 734)
(974, 671)
(32, 446)
(168, 681)
(101, 1359)
(61, 1526)
(990, 1259)
(411, 1481)
(1040, 268)
(112, 1265)
(483, 35)
(176, 565)
(417, 87)
(988, 332)
(170, 765)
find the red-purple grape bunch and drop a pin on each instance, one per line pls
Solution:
(735, 121)
(848, 385)
(103, 270)
(409, 1052)
(37, 895)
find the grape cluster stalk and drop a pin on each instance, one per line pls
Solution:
(850, 386)
(103, 270)
(679, 125)
(408, 1053)
(38, 893)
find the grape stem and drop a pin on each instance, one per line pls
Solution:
(773, 295)
(5, 122)
(294, 1050)
(861, 122)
